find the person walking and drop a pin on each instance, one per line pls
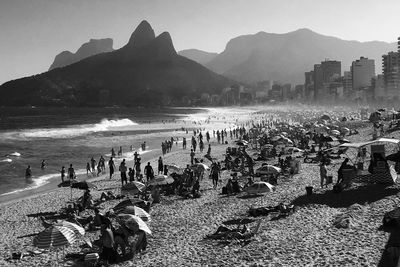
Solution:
(160, 165)
(123, 169)
(215, 174)
(192, 154)
(111, 166)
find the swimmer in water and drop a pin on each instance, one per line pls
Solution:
(43, 166)
(28, 172)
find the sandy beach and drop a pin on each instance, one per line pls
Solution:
(305, 238)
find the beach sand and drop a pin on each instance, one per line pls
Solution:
(305, 238)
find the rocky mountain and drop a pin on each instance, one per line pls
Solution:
(199, 56)
(93, 47)
(285, 57)
(146, 71)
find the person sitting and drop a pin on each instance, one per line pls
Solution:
(235, 186)
(196, 189)
(98, 220)
(87, 199)
(343, 166)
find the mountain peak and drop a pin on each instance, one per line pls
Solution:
(142, 35)
(93, 47)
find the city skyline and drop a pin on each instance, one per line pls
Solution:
(33, 32)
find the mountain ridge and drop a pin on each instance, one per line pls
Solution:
(93, 47)
(264, 56)
(146, 71)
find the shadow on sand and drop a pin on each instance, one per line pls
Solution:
(390, 255)
(359, 195)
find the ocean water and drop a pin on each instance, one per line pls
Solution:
(63, 136)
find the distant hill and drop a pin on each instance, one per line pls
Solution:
(199, 56)
(285, 57)
(93, 47)
(146, 71)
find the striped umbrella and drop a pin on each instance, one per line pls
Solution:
(133, 210)
(54, 237)
(78, 230)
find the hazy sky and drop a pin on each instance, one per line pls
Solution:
(32, 32)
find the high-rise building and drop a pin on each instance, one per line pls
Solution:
(378, 86)
(347, 83)
(391, 73)
(362, 71)
(327, 72)
(309, 84)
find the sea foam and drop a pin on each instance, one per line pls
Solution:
(72, 131)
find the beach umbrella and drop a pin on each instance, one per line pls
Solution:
(133, 210)
(161, 180)
(268, 169)
(174, 168)
(335, 132)
(78, 230)
(200, 166)
(276, 138)
(131, 202)
(345, 130)
(242, 143)
(55, 236)
(83, 185)
(134, 186)
(132, 222)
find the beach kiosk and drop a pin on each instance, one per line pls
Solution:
(379, 170)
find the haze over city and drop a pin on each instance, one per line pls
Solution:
(33, 32)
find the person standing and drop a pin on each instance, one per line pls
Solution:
(184, 143)
(93, 165)
(123, 169)
(149, 172)
(215, 174)
(28, 172)
(62, 174)
(160, 165)
(71, 172)
(323, 174)
(192, 154)
(88, 168)
(111, 166)
(107, 241)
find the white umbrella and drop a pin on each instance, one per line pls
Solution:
(134, 210)
(161, 180)
(80, 231)
(200, 166)
(174, 168)
(335, 132)
(268, 169)
(135, 185)
(133, 221)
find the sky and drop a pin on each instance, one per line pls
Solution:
(33, 32)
